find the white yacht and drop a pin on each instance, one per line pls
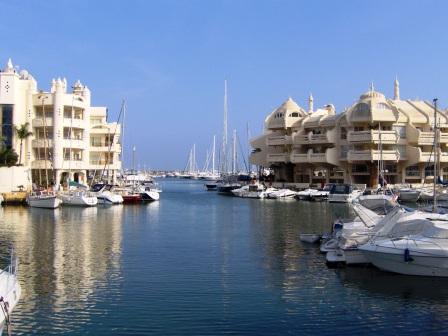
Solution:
(250, 191)
(343, 248)
(149, 194)
(408, 194)
(280, 193)
(306, 194)
(10, 293)
(414, 244)
(343, 193)
(378, 202)
(104, 194)
(78, 198)
(43, 199)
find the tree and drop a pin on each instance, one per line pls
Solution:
(8, 157)
(22, 134)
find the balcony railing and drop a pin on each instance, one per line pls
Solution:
(278, 140)
(374, 155)
(299, 157)
(42, 143)
(310, 138)
(387, 137)
(39, 122)
(277, 157)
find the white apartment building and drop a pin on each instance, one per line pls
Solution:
(320, 146)
(71, 139)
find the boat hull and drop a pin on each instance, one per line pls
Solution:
(420, 265)
(86, 201)
(52, 202)
(150, 196)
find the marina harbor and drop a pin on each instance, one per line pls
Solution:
(247, 168)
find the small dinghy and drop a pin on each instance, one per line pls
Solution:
(310, 237)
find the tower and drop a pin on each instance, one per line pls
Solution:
(310, 103)
(396, 89)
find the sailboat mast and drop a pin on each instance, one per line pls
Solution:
(70, 150)
(224, 133)
(234, 152)
(133, 160)
(213, 155)
(436, 155)
(122, 136)
(45, 143)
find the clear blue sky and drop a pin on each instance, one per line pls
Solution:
(169, 59)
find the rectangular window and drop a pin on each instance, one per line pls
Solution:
(401, 130)
(6, 131)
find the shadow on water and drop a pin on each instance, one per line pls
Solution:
(377, 282)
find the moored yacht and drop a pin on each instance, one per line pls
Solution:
(250, 191)
(343, 193)
(105, 195)
(414, 244)
(10, 293)
(43, 199)
(78, 198)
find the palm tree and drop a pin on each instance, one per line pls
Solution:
(22, 134)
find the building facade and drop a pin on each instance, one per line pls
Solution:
(320, 146)
(71, 140)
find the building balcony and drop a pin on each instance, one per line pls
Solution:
(278, 140)
(74, 123)
(74, 143)
(39, 122)
(73, 164)
(41, 164)
(373, 136)
(101, 165)
(114, 148)
(374, 155)
(330, 156)
(416, 155)
(416, 136)
(299, 157)
(278, 157)
(310, 138)
(42, 143)
(106, 129)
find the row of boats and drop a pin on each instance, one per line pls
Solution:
(101, 193)
(389, 236)
(338, 193)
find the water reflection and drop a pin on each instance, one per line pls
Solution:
(65, 256)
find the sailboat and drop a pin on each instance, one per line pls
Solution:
(44, 198)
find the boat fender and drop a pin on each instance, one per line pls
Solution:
(407, 255)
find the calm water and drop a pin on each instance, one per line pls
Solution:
(197, 263)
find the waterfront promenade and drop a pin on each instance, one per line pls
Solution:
(197, 263)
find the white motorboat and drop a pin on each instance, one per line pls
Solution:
(43, 199)
(78, 198)
(305, 194)
(104, 194)
(149, 194)
(354, 234)
(310, 237)
(321, 195)
(415, 244)
(378, 203)
(343, 193)
(282, 193)
(10, 293)
(250, 191)
(408, 195)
